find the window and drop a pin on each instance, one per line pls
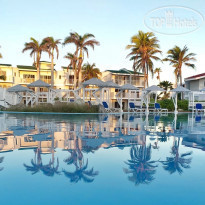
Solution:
(60, 77)
(204, 83)
(46, 78)
(28, 76)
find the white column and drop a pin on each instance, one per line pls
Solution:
(147, 104)
(84, 94)
(155, 97)
(176, 111)
(121, 103)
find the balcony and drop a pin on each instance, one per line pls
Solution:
(138, 83)
(8, 79)
(70, 82)
(47, 81)
(27, 80)
(126, 95)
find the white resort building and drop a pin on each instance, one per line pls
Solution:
(64, 81)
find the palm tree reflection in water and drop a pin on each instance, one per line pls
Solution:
(140, 165)
(37, 165)
(80, 173)
(177, 161)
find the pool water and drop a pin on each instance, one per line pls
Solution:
(102, 159)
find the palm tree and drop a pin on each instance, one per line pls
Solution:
(158, 71)
(1, 160)
(36, 49)
(73, 63)
(90, 71)
(52, 45)
(140, 165)
(144, 48)
(82, 43)
(179, 57)
(166, 85)
(177, 161)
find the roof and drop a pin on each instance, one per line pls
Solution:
(179, 89)
(195, 77)
(111, 84)
(94, 81)
(66, 67)
(26, 67)
(5, 64)
(129, 87)
(154, 88)
(202, 90)
(124, 71)
(18, 88)
(39, 83)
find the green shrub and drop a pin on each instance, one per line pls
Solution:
(57, 107)
(168, 103)
(183, 104)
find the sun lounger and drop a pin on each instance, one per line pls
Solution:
(199, 107)
(107, 109)
(159, 109)
(132, 107)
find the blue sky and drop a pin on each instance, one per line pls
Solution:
(113, 22)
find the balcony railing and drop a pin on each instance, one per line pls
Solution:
(47, 81)
(133, 82)
(70, 82)
(27, 80)
(8, 79)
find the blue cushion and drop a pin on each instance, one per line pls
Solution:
(132, 105)
(157, 106)
(105, 104)
(199, 106)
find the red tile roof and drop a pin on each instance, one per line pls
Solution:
(196, 76)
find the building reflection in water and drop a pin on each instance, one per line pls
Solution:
(1, 160)
(79, 135)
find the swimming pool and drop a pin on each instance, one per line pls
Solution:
(102, 159)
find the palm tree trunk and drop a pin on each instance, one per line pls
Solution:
(147, 78)
(52, 70)
(79, 72)
(38, 56)
(38, 65)
(180, 76)
(75, 74)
